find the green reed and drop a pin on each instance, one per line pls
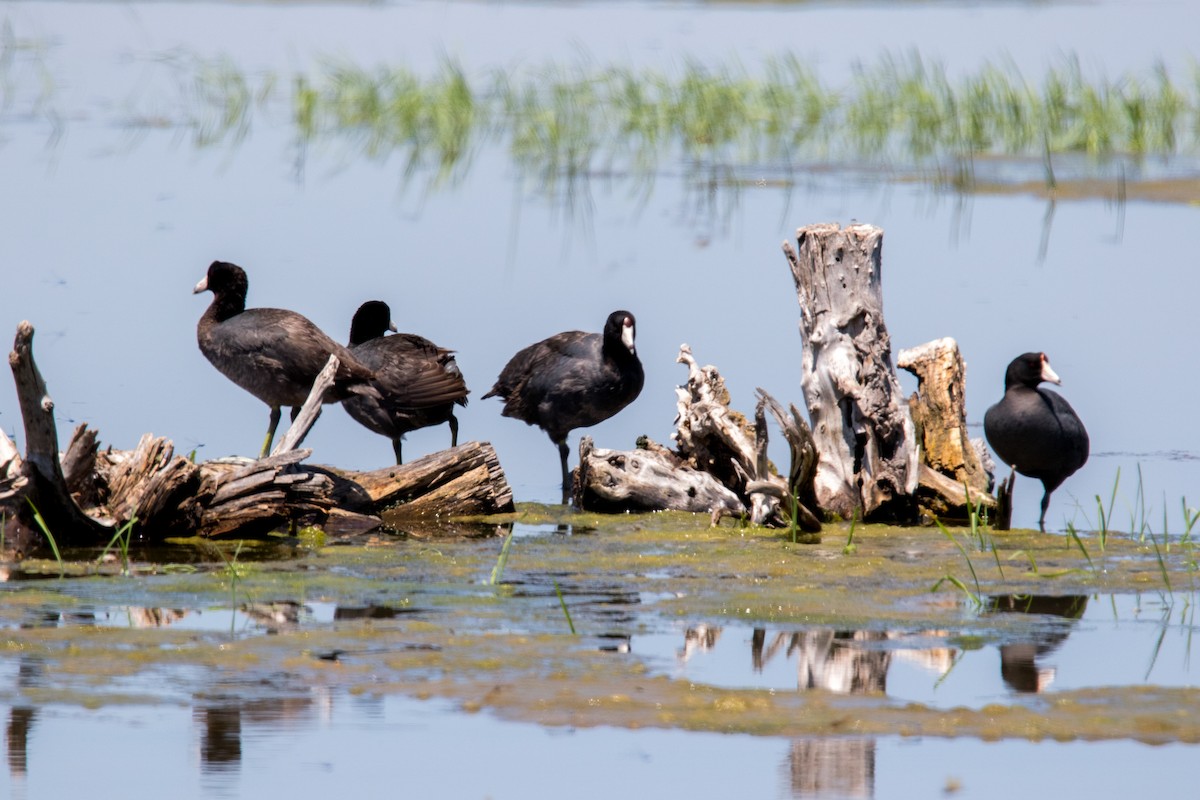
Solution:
(501, 561)
(41, 523)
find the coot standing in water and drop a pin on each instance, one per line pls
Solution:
(419, 381)
(1035, 431)
(274, 354)
(572, 380)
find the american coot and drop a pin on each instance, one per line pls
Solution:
(1035, 431)
(272, 353)
(419, 381)
(572, 380)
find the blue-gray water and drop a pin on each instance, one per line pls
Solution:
(108, 225)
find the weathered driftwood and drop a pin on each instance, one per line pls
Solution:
(463, 480)
(720, 465)
(46, 486)
(85, 495)
(864, 434)
(651, 478)
(951, 469)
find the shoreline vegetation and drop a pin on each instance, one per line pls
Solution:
(1064, 133)
(899, 118)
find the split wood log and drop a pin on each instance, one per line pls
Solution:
(651, 478)
(866, 444)
(951, 469)
(464, 480)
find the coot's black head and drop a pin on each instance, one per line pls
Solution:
(1029, 370)
(228, 284)
(372, 320)
(619, 332)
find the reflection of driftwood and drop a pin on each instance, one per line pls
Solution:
(648, 479)
(85, 495)
(864, 434)
(950, 464)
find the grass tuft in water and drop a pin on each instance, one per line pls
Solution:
(566, 613)
(977, 594)
(41, 523)
(501, 561)
(121, 539)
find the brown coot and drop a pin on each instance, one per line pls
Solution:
(272, 353)
(1035, 431)
(572, 380)
(418, 381)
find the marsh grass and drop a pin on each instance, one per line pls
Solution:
(41, 523)
(234, 571)
(121, 539)
(566, 612)
(975, 597)
(501, 561)
(564, 123)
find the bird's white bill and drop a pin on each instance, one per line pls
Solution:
(1049, 374)
(627, 335)
(202, 286)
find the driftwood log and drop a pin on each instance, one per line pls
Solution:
(865, 440)
(650, 478)
(951, 469)
(85, 495)
(719, 465)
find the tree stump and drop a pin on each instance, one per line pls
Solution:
(865, 440)
(940, 416)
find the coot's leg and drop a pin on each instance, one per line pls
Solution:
(1045, 505)
(274, 423)
(563, 452)
(453, 430)
(396, 449)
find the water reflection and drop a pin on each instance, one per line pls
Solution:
(831, 767)
(1019, 661)
(861, 661)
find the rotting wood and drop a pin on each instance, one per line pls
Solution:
(940, 417)
(650, 478)
(466, 479)
(719, 466)
(169, 495)
(46, 489)
(866, 444)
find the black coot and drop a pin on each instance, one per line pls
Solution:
(572, 380)
(418, 381)
(272, 353)
(1035, 431)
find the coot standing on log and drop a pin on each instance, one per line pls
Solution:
(419, 381)
(1035, 431)
(274, 354)
(572, 380)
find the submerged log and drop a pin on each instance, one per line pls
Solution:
(866, 445)
(86, 494)
(951, 469)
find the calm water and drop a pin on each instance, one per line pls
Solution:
(108, 225)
